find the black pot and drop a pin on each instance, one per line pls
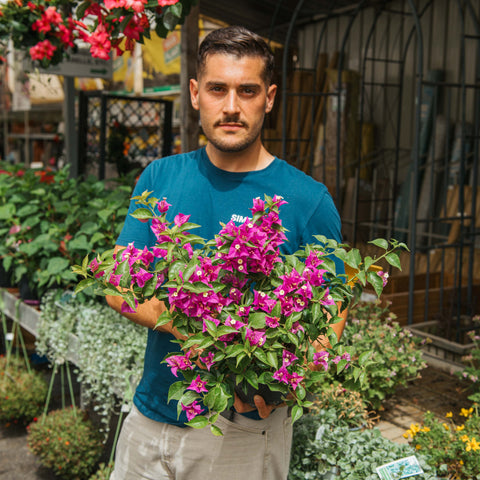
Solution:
(5, 278)
(27, 293)
(271, 397)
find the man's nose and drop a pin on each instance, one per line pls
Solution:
(231, 105)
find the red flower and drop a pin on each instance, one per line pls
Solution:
(42, 50)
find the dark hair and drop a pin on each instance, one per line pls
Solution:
(238, 41)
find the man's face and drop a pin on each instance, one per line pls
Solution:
(232, 98)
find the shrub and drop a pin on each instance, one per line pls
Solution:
(22, 391)
(67, 442)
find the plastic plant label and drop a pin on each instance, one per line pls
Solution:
(403, 468)
(9, 337)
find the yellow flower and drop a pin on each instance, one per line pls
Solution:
(407, 434)
(415, 428)
(425, 429)
(466, 412)
(449, 415)
(446, 427)
(418, 447)
(472, 445)
(460, 428)
(464, 438)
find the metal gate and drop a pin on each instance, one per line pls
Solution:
(118, 134)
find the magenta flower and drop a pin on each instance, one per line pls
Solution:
(288, 358)
(198, 385)
(180, 219)
(295, 379)
(282, 375)
(258, 205)
(141, 277)
(321, 358)
(192, 410)
(114, 279)
(179, 362)
(126, 308)
(255, 337)
(262, 301)
(272, 322)
(384, 277)
(208, 360)
(163, 206)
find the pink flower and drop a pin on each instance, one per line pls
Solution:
(255, 337)
(208, 360)
(281, 375)
(180, 219)
(192, 410)
(294, 379)
(321, 358)
(179, 362)
(288, 358)
(198, 385)
(50, 18)
(164, 3)
(384, 277)
(163, 206)
(272, 322)
(126, 308)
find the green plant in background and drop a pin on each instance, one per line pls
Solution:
(471, 371)
(49, 222)
(103, 473)
(453, 449)
(323, 448)
(67, 442)
(22, 391)
(387, 354)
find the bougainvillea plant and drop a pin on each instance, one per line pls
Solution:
(249, 315)
(49, 30)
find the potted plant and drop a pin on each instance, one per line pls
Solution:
(388, 355)
(452, 447)
(22, 391)
(240, 305)
(67, 442)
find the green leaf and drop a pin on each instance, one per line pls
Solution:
(176, 390)
(297, 412)
(57, 265)
(7, 211)
(216, 431)
(163, 319)
(257, 320)
(198, 422)
(364, 357)
(142, 214)
(380, 242)
(376, 282)
(392, 259)
(252, 378)
(88, 282)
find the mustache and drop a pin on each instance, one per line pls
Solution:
(231, 119)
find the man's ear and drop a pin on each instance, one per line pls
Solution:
(271, 92)
(194, 93)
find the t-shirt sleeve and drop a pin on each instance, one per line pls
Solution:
(134, 230)
(325, 221)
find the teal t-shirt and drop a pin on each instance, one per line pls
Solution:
(195, 187)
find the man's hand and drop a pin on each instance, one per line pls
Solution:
(264, 410)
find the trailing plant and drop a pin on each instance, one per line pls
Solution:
(67, 442)
(103, 473)
(453, 449)
(390, 355)
(22, 391)
(108, 348)
(322, 449)
(246, 313)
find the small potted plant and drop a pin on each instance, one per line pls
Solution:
(248, 314)
(67, 442)
(22, 391)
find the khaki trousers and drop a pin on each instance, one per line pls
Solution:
(248, 450)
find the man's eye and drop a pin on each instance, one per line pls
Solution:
(216, 88)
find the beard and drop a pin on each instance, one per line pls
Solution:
(231, 143)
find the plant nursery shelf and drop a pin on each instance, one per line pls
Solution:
(28, 318)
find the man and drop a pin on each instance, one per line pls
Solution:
(233, 92)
